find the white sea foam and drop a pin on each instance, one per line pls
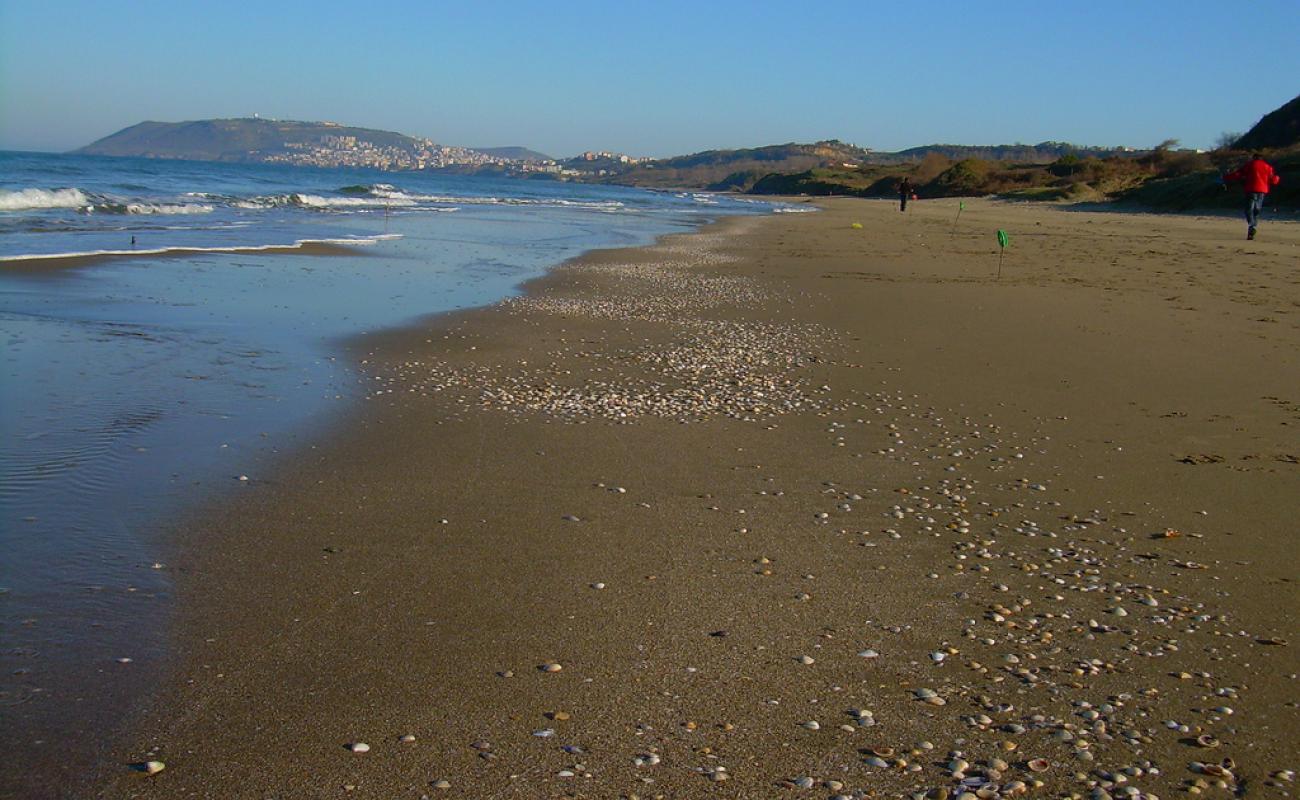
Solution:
(178, 249)
(303, 200)
(154, 208)
(793, 210)
(317, 201)
(25, 199)
(388, 192)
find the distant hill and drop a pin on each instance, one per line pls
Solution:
(1041, 153)
(245, 139)
(737, 169)
(1277, 129)
(741, 170)
(513, 153)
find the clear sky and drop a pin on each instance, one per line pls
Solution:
(659, 77)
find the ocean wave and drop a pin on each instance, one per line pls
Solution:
(151, 208)
(367, 189)
(27, 199)
(793, 210)
(302, 200)
(389, 192)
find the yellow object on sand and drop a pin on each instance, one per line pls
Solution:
(857, 226)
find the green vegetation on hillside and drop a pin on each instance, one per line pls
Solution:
(1162, 178)
(718, 169)
(228, 139)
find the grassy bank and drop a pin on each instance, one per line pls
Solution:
(1161, 179)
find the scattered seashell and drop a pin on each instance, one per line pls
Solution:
(1206, 740)
(359, 747)
(1037, 764)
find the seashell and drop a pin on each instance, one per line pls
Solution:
(1206, 740)
(883, 752)
(1037, 764)
(1217, 771)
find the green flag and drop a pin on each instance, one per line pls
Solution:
(961, 205)
(1003, 239)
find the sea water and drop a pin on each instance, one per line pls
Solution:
(180, 352)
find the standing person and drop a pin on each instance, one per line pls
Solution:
(905, 190)
(1256, 177)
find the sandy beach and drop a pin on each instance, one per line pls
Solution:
(785, 506)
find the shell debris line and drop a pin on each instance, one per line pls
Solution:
(981, 634)
(711, 367)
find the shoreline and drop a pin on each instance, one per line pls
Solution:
(50, 263)
(149, 668)
(349, 611)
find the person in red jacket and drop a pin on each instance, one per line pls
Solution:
(1256, 177)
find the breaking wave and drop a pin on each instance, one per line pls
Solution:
(151, 208)
(25, 199)
(392, 194)
(301, 200)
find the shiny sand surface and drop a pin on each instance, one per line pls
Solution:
(791, 504)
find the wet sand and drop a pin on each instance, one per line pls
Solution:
(783, 503)
(38, 264)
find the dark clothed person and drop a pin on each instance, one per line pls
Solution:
(905, 190)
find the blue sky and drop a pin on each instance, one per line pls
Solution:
(655, 78)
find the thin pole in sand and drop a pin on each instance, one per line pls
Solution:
(1003, 241)
(961, 206)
